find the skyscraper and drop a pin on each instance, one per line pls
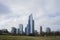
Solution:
(30, 25)
(40, 29)
(48, 30)
(27, 29)
(33, 27)
(17, 31)
(21, 29)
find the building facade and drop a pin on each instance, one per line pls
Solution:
(40, 29)
(48, 30)
(30, 26)
(20, 30)
(13, 31)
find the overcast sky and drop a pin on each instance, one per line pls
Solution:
(15, 12)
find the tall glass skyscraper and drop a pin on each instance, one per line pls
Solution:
(30, 26)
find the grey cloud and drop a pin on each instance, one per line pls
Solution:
(4, 9)
(45, 13)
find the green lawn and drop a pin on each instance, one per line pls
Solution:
(6, 37)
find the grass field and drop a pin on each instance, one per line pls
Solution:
(6, 37)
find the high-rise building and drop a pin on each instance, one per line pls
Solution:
(33, 27)
(27, 31)
(17, 31)
(21, 29)
(48, 30)
(13, 31)
(40, 29)
(35, 32)
(30, 26)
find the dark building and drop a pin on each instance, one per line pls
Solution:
(35, 32)
(4, 31)
(27, 30)
(40, 29)
(0, 31)
(33, 26)
(13, 31)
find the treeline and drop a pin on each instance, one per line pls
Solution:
(56, 33)
(6, 32)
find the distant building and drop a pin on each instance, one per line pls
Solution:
(48, 30)
(4, 31)
(13, 31)
(20, 29)
(33, 26)
(26, 31)
(0, 31)
(30, 26)
(40, 29)
(17, 31)
(35, 32)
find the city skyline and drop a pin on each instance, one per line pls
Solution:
(46, 13)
